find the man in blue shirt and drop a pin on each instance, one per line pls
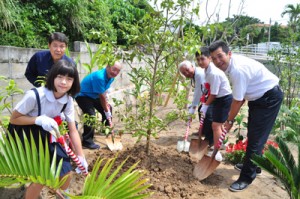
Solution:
(93, 96)
(41, 62)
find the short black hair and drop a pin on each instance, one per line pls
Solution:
(58, 36)
(63, 67)
(217, 44)
(203, 51)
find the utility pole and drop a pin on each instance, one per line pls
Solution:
(269, 34)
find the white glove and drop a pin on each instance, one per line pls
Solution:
(192, 110)
(52, 138)
(218, 156)
(203, 109)
(108, 115)
(83, 163)
(46, 122)
(62, 116)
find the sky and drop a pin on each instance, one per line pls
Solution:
(261, 9)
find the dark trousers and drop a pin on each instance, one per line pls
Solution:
(262, 116)
(88, 106)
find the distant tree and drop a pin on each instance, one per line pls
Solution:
(234, 30)
(294, 15)
(294, 21)
(241, 21)
(254, 33)
(8, 10)
(279, 33)
(93, 21)
(125, 13)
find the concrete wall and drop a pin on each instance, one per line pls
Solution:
(13, 63)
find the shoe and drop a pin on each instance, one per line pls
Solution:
(239, 167)
(91, 145)
(238, 186)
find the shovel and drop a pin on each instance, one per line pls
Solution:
(113, 142)
(185, 144)
(198, 146)
(61, 140)
(206, 166)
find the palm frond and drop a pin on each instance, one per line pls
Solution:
(280, 170)
(287, 155)
(20, 163)
(130, 184)
(281, 164)
(298, 179)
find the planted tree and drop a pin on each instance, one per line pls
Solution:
(161, 44)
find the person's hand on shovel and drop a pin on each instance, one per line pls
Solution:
(203, 109)
(191, 111)
(108, 115)
(83, 163)
(47, 123)
(228, 125)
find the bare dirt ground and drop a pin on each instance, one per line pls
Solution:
(170, 172)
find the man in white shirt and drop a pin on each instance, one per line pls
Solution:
(250, 81)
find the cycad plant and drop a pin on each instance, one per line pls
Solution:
(21, 163)
(282, 165)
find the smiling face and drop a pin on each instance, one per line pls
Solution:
(113, 71)
(187, 71)
(203, 61)
(62, 84)
(220, 58)
(57, 49)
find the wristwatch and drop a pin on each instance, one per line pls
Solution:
(231, 121)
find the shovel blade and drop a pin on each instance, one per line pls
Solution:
(205, 167)
(118, 144)
(180, 146)
(183, 146)
(110, 143)
(114, 144)
(186, 146)
(198, 148)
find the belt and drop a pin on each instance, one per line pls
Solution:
(277, 87)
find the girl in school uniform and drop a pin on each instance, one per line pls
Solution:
(35, 112)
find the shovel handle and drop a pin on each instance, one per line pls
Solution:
(73, 157)
(109, 121)
(221, 138)
(187, 130)
(61, 140)
(220, 141)
(112, 131)
(76, 160)
(201, 125)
